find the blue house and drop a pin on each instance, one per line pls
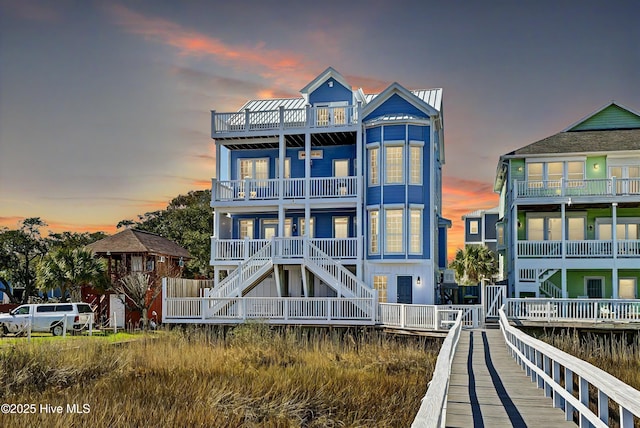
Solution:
(335, 193)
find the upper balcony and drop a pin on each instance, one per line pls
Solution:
(249, 123)
(586, 190)
(250, 190)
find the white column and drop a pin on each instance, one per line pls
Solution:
(563, 231)
(514, 250)
(282, 153)
(614, 236)
(307, 179)
(360, 153)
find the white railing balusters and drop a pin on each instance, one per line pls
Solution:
(545, 363)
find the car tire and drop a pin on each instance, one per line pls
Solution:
(57, 330)
(4, 330)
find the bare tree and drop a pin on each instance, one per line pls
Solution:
(140, 291)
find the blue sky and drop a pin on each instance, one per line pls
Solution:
(104, 105)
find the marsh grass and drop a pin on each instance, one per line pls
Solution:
(250, 376)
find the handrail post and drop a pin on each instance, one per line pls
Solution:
(247, 119)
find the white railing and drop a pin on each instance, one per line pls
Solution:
(312, 117)
(231, 285)
(432, 412)
(293, 188)
(343, 277)
(564, 188)
(242, 249)
(566, 310)
(556, 372)
(551, 289)
(539, 249)
(292, 310)
(472, 315)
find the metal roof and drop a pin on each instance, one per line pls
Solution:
(478, 213)
(433, 97)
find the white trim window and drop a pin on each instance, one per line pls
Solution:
(394, 230)
(380, 283)
(473, 227)
(246, 229)
(394, 164)
(257, 169)
(303, 229)
(374, 232)
(627, 288)
(340, 227)
(415, 231)
(287, 168)
(415, 164)
(594, 287)
(550, 174)
(341, 167)
(374, 166)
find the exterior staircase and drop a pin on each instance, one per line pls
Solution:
(537, 281)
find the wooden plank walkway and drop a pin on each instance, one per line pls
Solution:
(489, 389)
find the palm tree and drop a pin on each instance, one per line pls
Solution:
(473, 264)
(69, 270)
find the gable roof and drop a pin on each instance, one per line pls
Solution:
(138, 241)
(327, 74)
(396, 89)
(610, 116)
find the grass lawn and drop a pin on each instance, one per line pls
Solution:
(251, 376)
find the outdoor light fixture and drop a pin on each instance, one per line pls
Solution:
(418, 281)
(331, 83)
(596, 166)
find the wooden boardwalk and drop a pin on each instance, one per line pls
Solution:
(488, 389)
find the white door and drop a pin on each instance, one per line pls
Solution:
(116, 310)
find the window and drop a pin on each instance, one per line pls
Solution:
(534, 174)
(415, 165)
(627, 228)
(322, 115)
(341, 168)
(374, 166)
(270, 228)
(544, 228)
(415, 226)
(550, 174)
(257, 169)
(46, 308)
(341, 227)
(246, 229)
(594, 287)
(303, 229)
(394, 227)
(380, 284)
(473, 227)
(287, 168)
(575, 174)
(136, 264)
(554, 173)
(575, 228)
(393, 164)
(500, 234)
(627, 288)
(373, 232)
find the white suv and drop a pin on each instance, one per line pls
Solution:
(47, 317)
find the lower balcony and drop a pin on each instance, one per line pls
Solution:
(236, 250)
(579, 249)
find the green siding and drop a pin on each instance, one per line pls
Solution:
(612, 117)
(517, 169)
(575, 282)
(590, 168)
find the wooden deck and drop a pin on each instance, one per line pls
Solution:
(487, 387)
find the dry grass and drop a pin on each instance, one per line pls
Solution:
(252, 376)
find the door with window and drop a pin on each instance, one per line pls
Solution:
(405, 289)
(627, 288)
(627, 179)
(594, 287)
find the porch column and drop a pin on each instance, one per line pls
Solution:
(514, 242)
(307, 179)
(563, 230)
(360, 197)
(614, 236)
(563, 278)
(282, 153)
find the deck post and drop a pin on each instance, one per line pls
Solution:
(583, 393)
(568, 386)
(247, 119)
(328, 309)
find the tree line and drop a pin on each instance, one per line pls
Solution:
(31, 263)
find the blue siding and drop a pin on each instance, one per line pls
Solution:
(325, 94)
(374, 135)
(324, 167)
(468, 237)
(323, 222)
(417, 195)
(393, 105)
(420, 133)
(394, 194)
(490, 226)
(373, 195)
(426, 232)
(395, 132)
(442, 247)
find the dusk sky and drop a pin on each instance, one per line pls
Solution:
(105, 105)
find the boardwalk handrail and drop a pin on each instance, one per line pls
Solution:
(544, 363)
(432, 412)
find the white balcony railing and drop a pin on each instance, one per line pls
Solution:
(578, 249)
(242, 249)
(308, 117)
(293, 188)
(565, 188)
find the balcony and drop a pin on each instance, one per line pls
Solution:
(255, 122)
(292, 188)
(608, 187)
(578, 249)
(236, 250)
